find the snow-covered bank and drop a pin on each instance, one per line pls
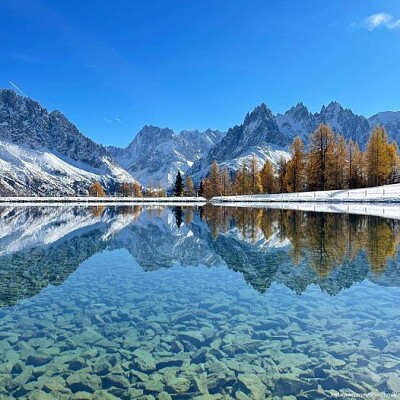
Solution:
(103, 200)
(391, 211)
(379, 194)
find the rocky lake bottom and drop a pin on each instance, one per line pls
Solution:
(112, 330)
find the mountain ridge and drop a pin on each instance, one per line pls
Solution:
(267, 136)
(43, 153)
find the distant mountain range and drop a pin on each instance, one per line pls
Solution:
(156, 154)
(43, 153)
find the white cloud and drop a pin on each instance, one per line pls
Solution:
(382, 19)
(112, 120)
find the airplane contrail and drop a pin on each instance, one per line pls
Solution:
(16, 87)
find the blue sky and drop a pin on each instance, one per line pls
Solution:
(113, 66)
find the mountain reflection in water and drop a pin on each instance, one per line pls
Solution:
(41, 246)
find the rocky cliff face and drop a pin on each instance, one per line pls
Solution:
(43, 153)
(259, 134)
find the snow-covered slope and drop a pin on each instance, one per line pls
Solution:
(383, 194)
(156, 154)
(390, 120)
(42, 153)
(25, 171)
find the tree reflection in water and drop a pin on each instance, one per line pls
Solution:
(324, 240)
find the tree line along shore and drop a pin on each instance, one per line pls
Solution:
(327, 162)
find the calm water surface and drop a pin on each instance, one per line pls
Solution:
(211, 303)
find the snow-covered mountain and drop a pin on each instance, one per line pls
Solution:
(43, 153)
(390, 120)
(268, 136)
(300, 121)
(156, 154)
(259, 134)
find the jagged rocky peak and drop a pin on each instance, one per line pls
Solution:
(260, 113)
(260, 127)
(332, 107)
(155, 133)
(25, 122)
(298, 112)
(150, 135)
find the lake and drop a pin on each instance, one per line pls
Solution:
(197, 303)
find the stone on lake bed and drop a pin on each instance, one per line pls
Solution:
(163, 396)
(82, 396)
(201, 383)
(76, 364)
(289, 360)
(116, 380)
(84, 382)
(334, 362)
(380, 342)
(53, 384)
(38, 359)
(291, 384)
(241, 396)
(103, 395)
(144, 361)
(41, 395)
(193, 337)
(393, 383)
(87, 336)
(253, 385)
(153, 386)
(178, 385)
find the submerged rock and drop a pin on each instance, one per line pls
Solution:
(84, 382)
(38, 359)
(193, 337)
(144, 361)
(252, 385)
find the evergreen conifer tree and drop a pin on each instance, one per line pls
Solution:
(178, 187)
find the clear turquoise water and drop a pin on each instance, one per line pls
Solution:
(149, 310)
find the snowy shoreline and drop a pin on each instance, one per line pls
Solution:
(103, 200)
(388, 210)
(379, 194)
